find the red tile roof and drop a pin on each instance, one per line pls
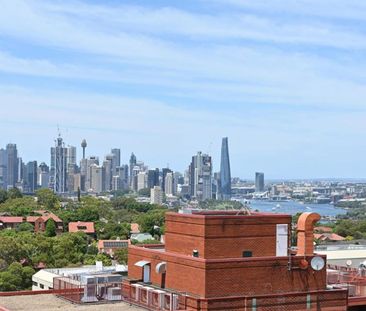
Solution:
(87, 227)
(44, 217)
(328, 237)
(11, 220)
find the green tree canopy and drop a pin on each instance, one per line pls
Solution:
(47, 199)
(50, 228)
(14, 193)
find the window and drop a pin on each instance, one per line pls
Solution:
(41, 286)
(247, 254)
(195, 253)
(35, 283)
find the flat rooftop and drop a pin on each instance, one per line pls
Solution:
(53, 303)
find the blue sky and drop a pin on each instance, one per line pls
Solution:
(284, 80)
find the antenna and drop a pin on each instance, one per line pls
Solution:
(58, 131)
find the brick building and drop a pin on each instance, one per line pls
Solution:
(219, 260)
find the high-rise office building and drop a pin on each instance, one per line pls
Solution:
(58, 174)
(152, 178)
(43, 178)
(30, 176)
(3, 168)
(259, 182)
(200, 179)
(107, 172)
(116, 161)
(164, 171)
(120, 180)
(96, 178)
(156, 195)
(225, 173)
(133, 162)
(12, 165)
(169, 184)
(89, 162)
(141, 181)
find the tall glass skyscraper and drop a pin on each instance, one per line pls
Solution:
(225, 174)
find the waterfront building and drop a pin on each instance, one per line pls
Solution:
(259, 182)
(225, 173)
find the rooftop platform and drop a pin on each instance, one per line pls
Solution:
(53, 303)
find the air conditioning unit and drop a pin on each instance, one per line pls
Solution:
(89, 293)
(114, 294)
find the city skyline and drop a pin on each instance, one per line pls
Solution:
(285, 84)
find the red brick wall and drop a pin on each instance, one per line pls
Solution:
(184, 274)
(223, 236)
(260, 276)
(227, 277)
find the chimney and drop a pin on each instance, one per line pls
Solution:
(305, 233)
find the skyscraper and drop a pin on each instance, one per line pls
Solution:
(165, 171)
(116, 162)
(30, 177)
(133, 162)
(43, 175)
(152, 178)
(200, 179)
(156, 195)
(259, 182)
(225, 173)
(12, 165)
(59, 167)
(96, 178)
(169, 184)
(3, 168)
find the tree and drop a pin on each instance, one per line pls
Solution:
(92, 259)
(50, 228)
(121, 255)
(150, 220)
(14, 193)
(25, 226)
(47, 199)
(3, 196)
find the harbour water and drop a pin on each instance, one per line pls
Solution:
(294, 207)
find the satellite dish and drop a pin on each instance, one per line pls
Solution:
(349, 263)
(317, 263)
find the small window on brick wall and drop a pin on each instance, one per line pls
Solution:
(247, 254)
